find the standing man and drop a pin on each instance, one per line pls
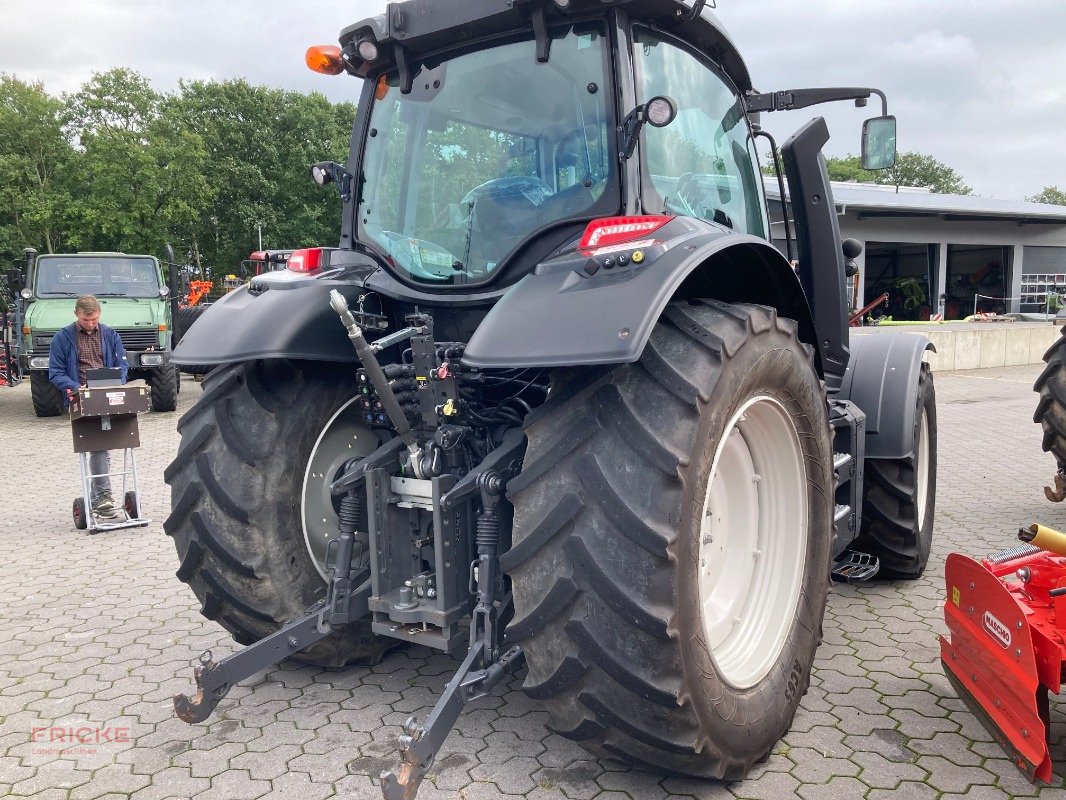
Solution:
(83, 345)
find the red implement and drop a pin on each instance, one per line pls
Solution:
(1007, 623)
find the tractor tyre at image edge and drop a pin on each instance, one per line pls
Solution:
(899, 496)
(1051, 408)
(671, 543)
(236, 486)
(47, 399)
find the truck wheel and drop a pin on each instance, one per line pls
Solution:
(164, 385)
(671, 543)
(184, 319)
(237, 486)
(1051, 409)
(899, 496)
(47, 399)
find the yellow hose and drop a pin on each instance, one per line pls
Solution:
(1045, 538)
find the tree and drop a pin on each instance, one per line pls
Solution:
(36, 159)
(260, 144)
(1050, 194)
(142, 169)
(918, 169)
(911, 169)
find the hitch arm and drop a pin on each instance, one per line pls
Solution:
(420, 743)
(214, 679)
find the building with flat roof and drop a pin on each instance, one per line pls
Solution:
(947, 254)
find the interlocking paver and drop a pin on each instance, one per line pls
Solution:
(117, 639)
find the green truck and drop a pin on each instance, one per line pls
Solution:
(136, 297)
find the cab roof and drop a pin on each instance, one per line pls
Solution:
(425, 26)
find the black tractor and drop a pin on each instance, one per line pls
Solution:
(557, 403)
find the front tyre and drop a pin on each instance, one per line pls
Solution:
(672, 530)
(899, 496)
(164, 383)
(47, 399)
(238, 499)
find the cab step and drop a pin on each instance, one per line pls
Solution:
(854, 567)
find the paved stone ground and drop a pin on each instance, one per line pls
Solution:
(95, 632)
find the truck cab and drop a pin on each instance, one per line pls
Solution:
(132, 290)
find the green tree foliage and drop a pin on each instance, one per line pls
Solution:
(36, 157)
(141, 168)
(911, 169)
(260, 144)
(1050, 194)
(119, 166)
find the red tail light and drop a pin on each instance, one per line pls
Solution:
(615, 230)
(307, 260)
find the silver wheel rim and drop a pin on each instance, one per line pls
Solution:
(343, 437)
(922, 467)
(753, 541)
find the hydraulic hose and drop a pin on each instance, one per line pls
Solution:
(374, 372)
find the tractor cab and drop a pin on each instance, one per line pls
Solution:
(262, 261)
(474, 162)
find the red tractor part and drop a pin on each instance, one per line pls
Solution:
(1006, 618)
(197, 291)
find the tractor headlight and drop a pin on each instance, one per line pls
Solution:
(39, 362)
(151, 359)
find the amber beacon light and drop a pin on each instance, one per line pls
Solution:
(325, 59)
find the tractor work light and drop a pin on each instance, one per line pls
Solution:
(151, 359)
(307, 260)
(320, 174)
(368, 50)
(26, 294)
(660, 111)
(39, 362)
(615, 230)
(324, 59)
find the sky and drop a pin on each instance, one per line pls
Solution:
(980, 85)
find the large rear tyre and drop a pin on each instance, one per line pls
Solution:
(238, 489)
(47, 399)
(671, 543)
(183, 320)
(1051, 408)
(899, 496)
(164, 383)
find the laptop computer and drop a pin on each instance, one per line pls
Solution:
(103, 377)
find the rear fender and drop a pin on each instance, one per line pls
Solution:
(559, 316)
(882, 380)
(288, 320)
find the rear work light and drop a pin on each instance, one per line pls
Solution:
(307, 260)
(616, 230)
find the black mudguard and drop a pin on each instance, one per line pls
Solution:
(882, 380)
(288, 320)
(560, 316)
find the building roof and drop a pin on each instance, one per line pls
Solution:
(871, 200)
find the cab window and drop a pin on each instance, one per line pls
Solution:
(701, 164)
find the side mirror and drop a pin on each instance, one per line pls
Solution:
(14, 280)
(879, 143)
